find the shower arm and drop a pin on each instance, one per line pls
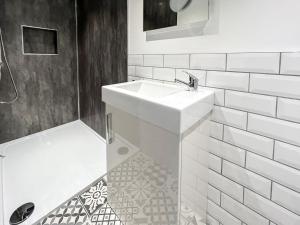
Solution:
(10, 73)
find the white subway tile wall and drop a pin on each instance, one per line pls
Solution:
(211, 220)
(290, 63)
(254, 155)
(286, 197)
(221, 215)
(135, 60)
(261, 104)
(145, 72)
(251, 142)
(215, 163)
(230, 117)
(254, 62)
(228, 80)
(208, 61)
(289, 109)
(276, 85)
(242, 212)
(177, 61)
(214, 194)
(247, 178)
(154, 60)
(287, 154)
(131, 70)
(166, 74)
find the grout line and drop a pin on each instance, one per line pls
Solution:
(245, 165)
(280, 59)
(271, 193)
(222, 160)
(223, 131)
(249, 83)
(247, 120)
(276, 107)
(143, 60)
(243, 195)
(273, 153)
(226, 61)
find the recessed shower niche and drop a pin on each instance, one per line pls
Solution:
(39, 41)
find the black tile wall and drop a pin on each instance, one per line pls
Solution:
(102, 41)
(47, 84)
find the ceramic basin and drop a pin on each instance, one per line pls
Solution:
(151, 90)
(168, 106)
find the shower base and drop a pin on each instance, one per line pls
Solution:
(49, 167)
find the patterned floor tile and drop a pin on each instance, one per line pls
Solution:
(71, 213)
(123, 174)
(124, 207)
(137, 192)
(140, 190)
(94, 197)
(149, 198)
(105, 216)
(161, 209)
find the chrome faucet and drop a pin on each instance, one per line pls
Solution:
(193, 84)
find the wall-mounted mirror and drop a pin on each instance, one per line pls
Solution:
(166, 19)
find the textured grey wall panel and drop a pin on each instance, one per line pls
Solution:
(47, 84)
(102, 38)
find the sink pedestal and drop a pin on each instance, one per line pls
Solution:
(158, 159)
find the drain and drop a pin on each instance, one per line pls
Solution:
(123, 150)
(21, 214)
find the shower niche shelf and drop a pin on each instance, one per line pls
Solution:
(39, 41)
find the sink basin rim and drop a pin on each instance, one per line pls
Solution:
(154, 86)
(175, 112)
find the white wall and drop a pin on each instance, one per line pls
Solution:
(235, 26)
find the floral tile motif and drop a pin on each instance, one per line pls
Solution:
(140, 190)
(94, 197)
(71, 213)
(105, 216)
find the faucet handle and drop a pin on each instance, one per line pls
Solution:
(193, 80)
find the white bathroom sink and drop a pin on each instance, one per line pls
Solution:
(168, 106)
(151, 90)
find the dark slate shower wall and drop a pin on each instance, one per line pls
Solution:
(47, 84)
(102, 41)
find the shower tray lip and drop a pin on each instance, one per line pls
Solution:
(169, 106)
